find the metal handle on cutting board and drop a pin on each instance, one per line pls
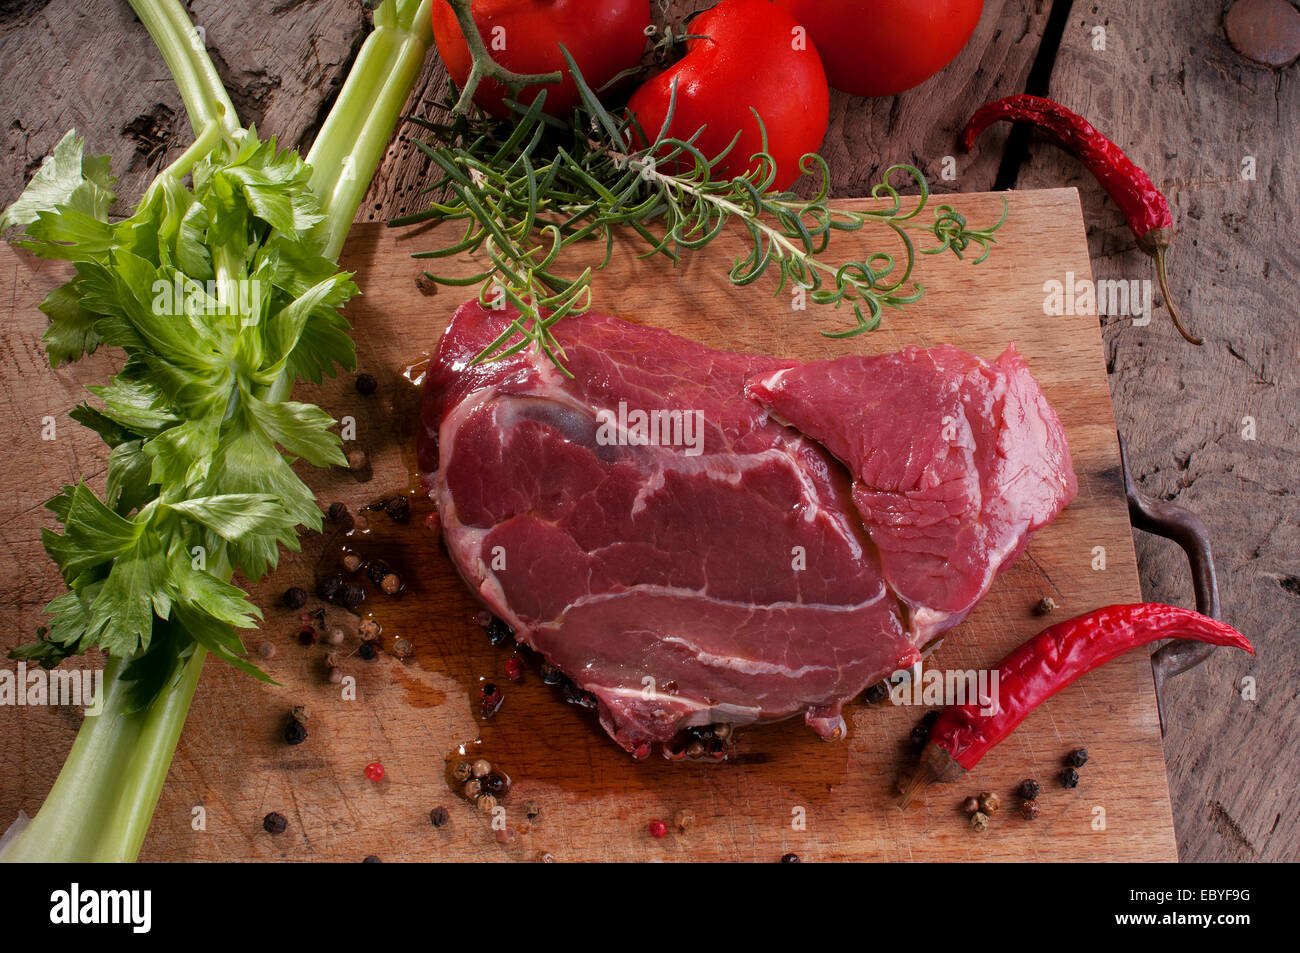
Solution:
(1187, 530)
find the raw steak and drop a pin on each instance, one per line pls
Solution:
(652, 530)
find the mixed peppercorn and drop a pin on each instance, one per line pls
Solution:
(703, 742)
(480, 782)
(980, 809)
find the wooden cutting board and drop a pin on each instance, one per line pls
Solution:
(785, 790)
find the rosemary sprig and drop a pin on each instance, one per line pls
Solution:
(530, 188)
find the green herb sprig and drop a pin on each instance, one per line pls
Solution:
(532, 188)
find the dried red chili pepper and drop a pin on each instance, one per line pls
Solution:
(1145, 209)
(1044, 665)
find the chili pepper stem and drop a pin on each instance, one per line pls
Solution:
(936, 764)
(1156, 244)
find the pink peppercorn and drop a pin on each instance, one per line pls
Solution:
(658, 830)
(514, 669)
(375, 771)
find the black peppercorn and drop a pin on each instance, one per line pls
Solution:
(921, 733)
(1029, 809)
(337, 511)
(1069, 778)
(551, 675)
(351, 595)
(493, 783)
(274, 823)
(439, 817)
(398, 509)
(376, 570)
(499, 633)
(1077, 758)
(789, 858)
(366, 384)
(877, 693)
(294, 598)
(1029, 789)
(329, 586)
(372, 859)
(295, 732)
(367, 651)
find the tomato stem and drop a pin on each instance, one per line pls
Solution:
(483, 66)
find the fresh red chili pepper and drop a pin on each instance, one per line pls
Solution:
(1145, 209)
(1044, 665)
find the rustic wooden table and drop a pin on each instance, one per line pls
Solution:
(1213, 428)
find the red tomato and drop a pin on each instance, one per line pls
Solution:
(604, 37)
(752, 54)
(882, 47)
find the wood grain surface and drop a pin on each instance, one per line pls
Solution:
(411, 712)
(1166, 85)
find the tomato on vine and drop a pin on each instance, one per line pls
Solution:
(605, 37)
(745, 56)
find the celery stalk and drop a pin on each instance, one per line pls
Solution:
(352, 141)
(101, 804)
